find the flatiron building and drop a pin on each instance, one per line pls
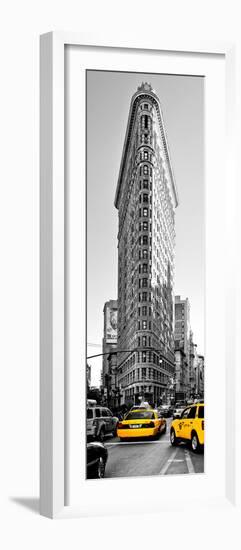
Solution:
(146, 198)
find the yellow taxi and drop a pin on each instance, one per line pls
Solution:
(189, 427)
(141, 423)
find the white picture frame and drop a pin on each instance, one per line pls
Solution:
(54, 435)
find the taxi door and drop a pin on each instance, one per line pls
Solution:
(182, 422)
(189, 423)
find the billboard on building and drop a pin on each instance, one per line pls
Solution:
(111, 326)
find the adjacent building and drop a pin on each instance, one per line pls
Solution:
(192, 365)
(146, 198)
(199, 376)
(182, 344)
(109, 345)
(181, 375)
(182, 324)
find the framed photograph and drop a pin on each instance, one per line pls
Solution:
(137, 200)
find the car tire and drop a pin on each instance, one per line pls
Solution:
(173, 438)
(195, 445)
(101, 435)
(100, 468)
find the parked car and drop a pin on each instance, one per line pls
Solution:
(190, 427)
(100, 422)
(97, 456)
(141, 423)
(178, 409)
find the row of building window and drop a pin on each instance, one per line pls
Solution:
(144, 357)
(145, 106)
(143, 226)
(148, 357)
(145, 170)
(128, 363)
(143, 268)
(146, 139)
(145, 122)
(142, 375)
(142, 325)
(144, 197)
(143, 311)
(131, 393)
(143, 212)
(143, 283)
(144, 240)
(144, 341)
(143, 254)
(145, 184)
(144, 155)
(144, 295)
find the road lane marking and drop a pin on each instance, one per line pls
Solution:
(176, 460)
(167, 463)
(122, 443)
(190, 466)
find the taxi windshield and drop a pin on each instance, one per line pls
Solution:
(140, 414)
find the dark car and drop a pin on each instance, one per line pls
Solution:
(166, 410)
(97, 455)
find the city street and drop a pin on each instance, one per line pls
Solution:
(143, 458)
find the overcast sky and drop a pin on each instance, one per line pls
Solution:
(108, 101)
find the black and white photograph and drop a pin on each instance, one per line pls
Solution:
(145, 274)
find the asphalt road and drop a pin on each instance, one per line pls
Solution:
(144, 458)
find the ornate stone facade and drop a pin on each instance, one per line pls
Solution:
(146, 198)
